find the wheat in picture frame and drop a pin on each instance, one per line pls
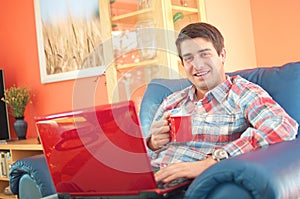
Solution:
(69, 39)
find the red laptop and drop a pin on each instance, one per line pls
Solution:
(99, 151)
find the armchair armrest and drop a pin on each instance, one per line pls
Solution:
(36, 168)
(272, 172)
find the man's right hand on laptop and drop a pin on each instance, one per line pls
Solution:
(188, 170)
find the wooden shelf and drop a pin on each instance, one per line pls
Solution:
(139, 64)
(132, 17)
(184, 10)
(161, 13)
(2, 195)
(27, 144)
(4, 179)
(18, 149)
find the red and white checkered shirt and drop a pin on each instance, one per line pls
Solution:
(237, 115)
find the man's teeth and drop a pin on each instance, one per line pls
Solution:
(202, 74)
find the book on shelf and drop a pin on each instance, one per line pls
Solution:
(8, 140)
(3, 142)
(4, 163)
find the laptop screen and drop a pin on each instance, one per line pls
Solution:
(98, 150)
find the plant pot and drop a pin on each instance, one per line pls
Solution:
(20, 127)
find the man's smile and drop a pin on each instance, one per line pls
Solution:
(201, 73)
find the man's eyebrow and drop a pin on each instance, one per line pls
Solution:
(199, 51)
(203, 50)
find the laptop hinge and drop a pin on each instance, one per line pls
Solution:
(142, 195)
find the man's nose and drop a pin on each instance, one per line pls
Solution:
(198, 63)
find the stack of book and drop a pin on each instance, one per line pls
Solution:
(4, 164)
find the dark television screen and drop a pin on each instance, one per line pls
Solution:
(4, 125)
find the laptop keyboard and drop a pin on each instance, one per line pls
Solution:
(173, 183)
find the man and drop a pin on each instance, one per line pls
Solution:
(230, 115)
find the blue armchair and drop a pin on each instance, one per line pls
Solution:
(272, 172)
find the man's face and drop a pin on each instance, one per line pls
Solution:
(202, 64)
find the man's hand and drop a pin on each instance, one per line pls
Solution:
(160, 133)
(183, 170)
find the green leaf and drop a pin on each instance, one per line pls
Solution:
(177, 16)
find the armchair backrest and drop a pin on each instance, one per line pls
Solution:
(281, 82)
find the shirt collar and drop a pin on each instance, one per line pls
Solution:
(219, 92)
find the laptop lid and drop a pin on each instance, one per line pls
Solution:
(96, 151)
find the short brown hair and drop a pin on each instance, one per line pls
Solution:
(203, 30)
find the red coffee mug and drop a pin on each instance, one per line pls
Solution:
(181, 128)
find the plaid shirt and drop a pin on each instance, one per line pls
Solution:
(237, 115)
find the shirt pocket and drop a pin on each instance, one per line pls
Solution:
(215, 128)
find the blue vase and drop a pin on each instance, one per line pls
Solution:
(20, 127)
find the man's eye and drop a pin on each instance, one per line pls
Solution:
(204, 54)
(188, 58)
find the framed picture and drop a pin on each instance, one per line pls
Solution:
(69, 39)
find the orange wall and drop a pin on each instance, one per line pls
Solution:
(19, 59)
(276, 31)
(233, 18)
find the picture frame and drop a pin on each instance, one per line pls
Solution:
(68, 39)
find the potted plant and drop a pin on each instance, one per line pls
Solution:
(17, 98)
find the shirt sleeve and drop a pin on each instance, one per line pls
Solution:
(167, 104)
(269, 123)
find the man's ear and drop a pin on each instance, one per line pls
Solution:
(223, 55)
